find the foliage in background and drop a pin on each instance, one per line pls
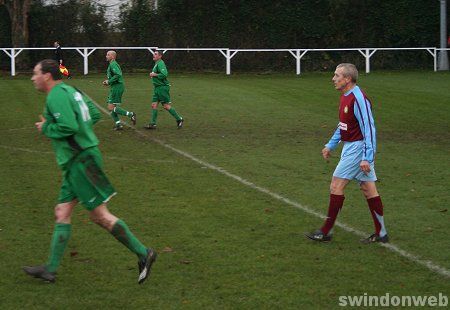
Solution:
(238, 24)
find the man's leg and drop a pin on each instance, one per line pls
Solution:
(174, 113)
(336, 202)
(120, 230)
(152, 124)
(61, 236)
(114, 115)
(121, 111)
(369, 190)
(118, 110)
(337, 187)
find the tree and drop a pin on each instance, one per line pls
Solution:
(18, 11)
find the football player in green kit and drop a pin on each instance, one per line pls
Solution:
(68, 121)
(117, 87)
(161, 92)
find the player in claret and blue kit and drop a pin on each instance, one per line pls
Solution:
(356, 130)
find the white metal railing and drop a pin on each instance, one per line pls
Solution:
(228, 53)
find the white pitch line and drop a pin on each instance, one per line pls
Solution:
(16, 129)
(13, 148)
(425, 263)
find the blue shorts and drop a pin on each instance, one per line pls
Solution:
(348, 167)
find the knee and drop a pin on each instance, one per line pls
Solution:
(62, 215)
(336, 189)
(167, 107)
(111, 107)
(98, 219)
(104, 220)
(154, 105)
(369, 190)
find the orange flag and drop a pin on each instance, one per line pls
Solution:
(64, 70)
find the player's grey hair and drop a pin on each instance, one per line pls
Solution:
(349, 71)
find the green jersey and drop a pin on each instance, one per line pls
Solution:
(69, 119)
(114, 73)
(161, 69)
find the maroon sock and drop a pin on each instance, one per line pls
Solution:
(376, 209)
(336, 203)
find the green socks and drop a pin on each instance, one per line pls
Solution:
(122, 233)
(120, 111)
(115, 117)
(172, 111)
(154, 116)
(61, 236)
(175, 114)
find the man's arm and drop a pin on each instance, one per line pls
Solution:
(332, 144)
(363, 114)
(93, 111)
(117, 73)
(65, 124)
(335, 139)
(163, 73)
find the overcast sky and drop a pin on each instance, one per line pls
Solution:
(113, 6)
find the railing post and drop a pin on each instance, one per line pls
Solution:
(297, 58)
(228, 62)
(13, 61)
(367, 60)
(435, 60)
(86, 61)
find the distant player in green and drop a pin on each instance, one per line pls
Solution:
(117, 87)
(68, 121)
(161, 91)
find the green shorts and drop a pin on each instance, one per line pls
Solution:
(85, 180)
(115, 93)
(161, 94)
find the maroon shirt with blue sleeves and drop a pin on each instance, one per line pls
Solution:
(348, 124)
(355, 123)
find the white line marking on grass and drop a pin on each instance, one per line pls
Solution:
(16, 129)
(425, 263)
(12, 148)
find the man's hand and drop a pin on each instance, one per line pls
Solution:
(365, 166)
(326, 153)
(40, 124)
(105, 82)
(152, 74)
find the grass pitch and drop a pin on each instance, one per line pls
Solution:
(224, 244)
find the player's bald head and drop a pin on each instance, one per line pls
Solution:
(112, 54)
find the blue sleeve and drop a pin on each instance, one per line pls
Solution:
(363, 113)
(334, 141)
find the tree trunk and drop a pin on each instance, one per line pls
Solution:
(18, 12)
